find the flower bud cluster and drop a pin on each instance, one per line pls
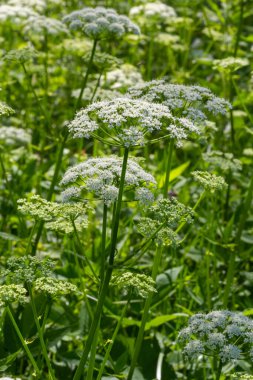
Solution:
(37, 25)
(58, 216)
(153, 12)
(5, 109)
(102, 177)
(230, 64)
(223, 334)
(139, 283)
(100, 22)
(54, 287)
(12, 293)
(223, 161)
(210, 182)
(20, 55)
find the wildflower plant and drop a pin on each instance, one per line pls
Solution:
(210, 182)
(224, 335)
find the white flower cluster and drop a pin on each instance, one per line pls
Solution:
(16, 13)
(223, 161)
(31, 21)
(155, 11)
(100, 23)
(130, 122)
(210, 182)
(37, 24)
(122, 78)
(13, 136)
(140, 283)
(58, 216)
(223, 334)
(163, 237)
(37, 5)
(190, 101)
(102, 176)
(230, 64)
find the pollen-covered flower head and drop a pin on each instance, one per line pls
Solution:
(58, 216)
(192, 102)
(210, 182)
(102, 177)
(139, 283)
(130, 122)
(223, 334)
(100, 22)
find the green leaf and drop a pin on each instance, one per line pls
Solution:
(175, 172)
(163, 319)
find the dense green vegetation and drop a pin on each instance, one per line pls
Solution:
(126, 168)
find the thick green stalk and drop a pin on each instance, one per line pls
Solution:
(109, 348)
(103, 244)
(92, 356)
(168, 167)
(108, 274)
(144, 319)
(41, 338)
(218, 373)
(23, 342)
(231, 266)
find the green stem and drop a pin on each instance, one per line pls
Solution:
(28, 352)
(108, 274)
(168, 167)
(109, 348)
(239, 28)
(144, 319)
(85, 80)
(103, 244)
(40, 333)
(92, 356)
(218, 373)
(231, 266)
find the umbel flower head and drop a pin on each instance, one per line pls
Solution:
(20, 55)
(230, 64)
(100, 22)
(130, 122)
(102, 177)
(223, 161)
(223, 334)
(12, 293)
(192, 102)
(162, 218)
(58, 216)
(37, 24)
(54, 287)
(13, 136)
(27, 269)
(210, 182)
(16, 14)
(152, 13)
(139, 283)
